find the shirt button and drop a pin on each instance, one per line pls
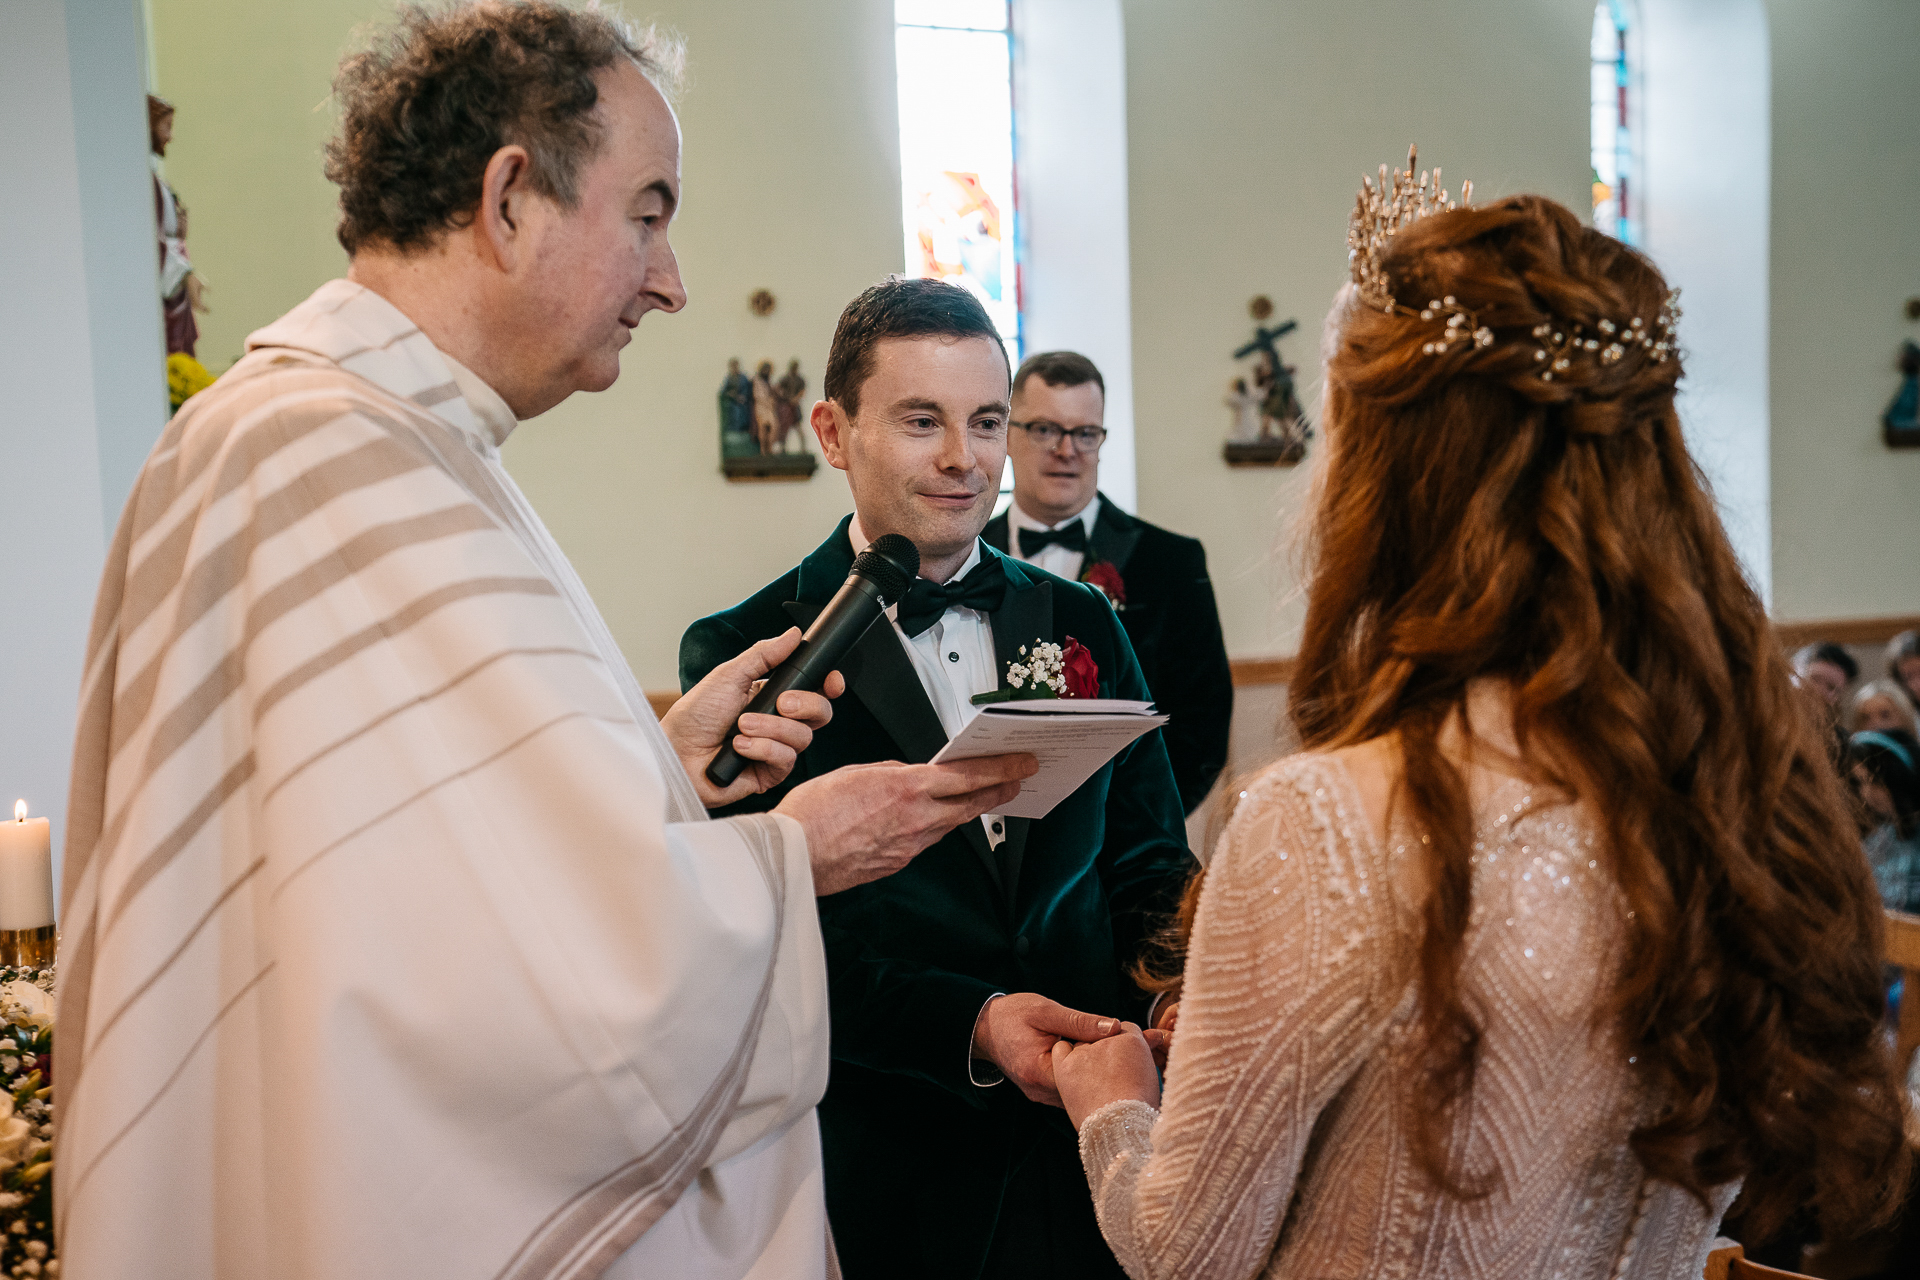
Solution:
(1020, 945)
(996, 828)
(953, 657)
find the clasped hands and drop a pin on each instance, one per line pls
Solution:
(864, 821)
(1065, 1058)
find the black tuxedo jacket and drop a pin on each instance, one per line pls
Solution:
(929, 1174)
(1174, 625)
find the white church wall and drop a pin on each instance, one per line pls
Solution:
(1845, 191)
(1708, 140)
(1249, 126)
(1070, 87)
(81, 345)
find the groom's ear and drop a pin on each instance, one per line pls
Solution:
(830, 427)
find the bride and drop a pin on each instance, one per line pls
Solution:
(1558, 936)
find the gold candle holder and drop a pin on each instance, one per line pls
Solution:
(27, 948)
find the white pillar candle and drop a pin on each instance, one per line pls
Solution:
(26, 871)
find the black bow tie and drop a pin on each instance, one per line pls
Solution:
(1073, 537)
(983, 589)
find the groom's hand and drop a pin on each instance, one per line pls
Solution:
(1017, 1034)
(704, 717)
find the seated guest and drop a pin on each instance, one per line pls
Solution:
(1828, 668)
(1884, 767)
(1881, 704)
(1157, 580)
(1546, 947)
(947, 1154)
(1903, 664)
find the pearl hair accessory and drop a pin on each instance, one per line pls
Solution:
(1559, 346)
(1399, 200)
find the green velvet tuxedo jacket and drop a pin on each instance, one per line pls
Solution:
(929, 1174)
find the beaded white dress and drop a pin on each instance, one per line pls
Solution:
(1283, 1148)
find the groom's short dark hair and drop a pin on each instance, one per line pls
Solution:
(898, 308)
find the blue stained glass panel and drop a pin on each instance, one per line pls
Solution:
(1613, 94)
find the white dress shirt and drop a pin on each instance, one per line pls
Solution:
(954, 659)
(1055, 559)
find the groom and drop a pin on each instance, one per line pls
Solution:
(947, 1154)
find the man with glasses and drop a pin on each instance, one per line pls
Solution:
(1061, 522)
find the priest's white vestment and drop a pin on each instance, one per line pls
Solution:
(396, 942)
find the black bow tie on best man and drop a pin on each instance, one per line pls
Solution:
(1073, 537)
(983, 589)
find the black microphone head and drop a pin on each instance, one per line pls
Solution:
(891, 563)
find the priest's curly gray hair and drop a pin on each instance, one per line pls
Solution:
(426, 105)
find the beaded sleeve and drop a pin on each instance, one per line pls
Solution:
(1289, 988)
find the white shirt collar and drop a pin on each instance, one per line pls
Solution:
(1019, 519)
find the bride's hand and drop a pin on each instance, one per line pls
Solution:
(1089, 1076)
(1160, 1034)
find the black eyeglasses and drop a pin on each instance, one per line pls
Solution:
(1047, 435)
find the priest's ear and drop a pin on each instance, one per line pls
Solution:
(500, 223)
(830, 427)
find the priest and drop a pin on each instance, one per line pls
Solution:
(397, 939)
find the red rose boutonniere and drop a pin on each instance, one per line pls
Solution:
(1082, 672)
(1045, 670)
(1104, 578)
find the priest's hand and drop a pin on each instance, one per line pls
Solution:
(1090, 1076)
(700, 721)
(1018, 1033)
(866, 821)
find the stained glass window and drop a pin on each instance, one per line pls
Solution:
(956, 150)
(1617, 190)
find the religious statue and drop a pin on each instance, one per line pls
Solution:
(791, 387)
(766, 419)
(1281, 434)
(1246, 412)
(180, 288)
(736, 413)
(762, 424)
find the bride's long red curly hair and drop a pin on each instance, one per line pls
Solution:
(1475, 520)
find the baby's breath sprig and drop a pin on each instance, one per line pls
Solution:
(1038, 672)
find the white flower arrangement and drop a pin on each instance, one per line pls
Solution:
(1045, 666)
(27, 1010)
(1047, 670)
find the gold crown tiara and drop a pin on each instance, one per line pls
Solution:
(1378, 215)
(1381, 212)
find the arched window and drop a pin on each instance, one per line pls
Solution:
(955, 65)
(1617, 187)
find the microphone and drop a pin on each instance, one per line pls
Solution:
(881, 575)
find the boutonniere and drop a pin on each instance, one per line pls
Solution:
(1048, 671)
(1104, 578)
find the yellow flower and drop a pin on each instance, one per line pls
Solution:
(186, 378)
(26, 1005)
